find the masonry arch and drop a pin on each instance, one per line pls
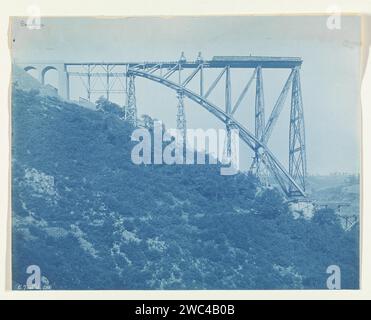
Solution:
(50, 75)
(32, 71)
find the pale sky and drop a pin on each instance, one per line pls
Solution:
(330, 74)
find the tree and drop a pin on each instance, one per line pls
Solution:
(107, 106)
(325, 216)
(147, 121)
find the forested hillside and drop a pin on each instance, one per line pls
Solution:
(93, 220)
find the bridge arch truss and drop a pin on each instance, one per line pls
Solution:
(292, 181)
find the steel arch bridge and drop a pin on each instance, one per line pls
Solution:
(292, 181)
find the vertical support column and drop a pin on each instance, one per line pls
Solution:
(179, 73)
(131, 108)
(228, 110)
(297, 154)
(62, 80)
(42, 75)
(259, 105)
(181, 123)
(39, 75)
(202, 80)
(68, 85)
(107, 82)
(89, 83)
(257, 166)
(126, 91)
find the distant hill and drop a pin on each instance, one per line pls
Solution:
(335, 191)
(93, 220)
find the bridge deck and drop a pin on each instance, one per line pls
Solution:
(216, 62)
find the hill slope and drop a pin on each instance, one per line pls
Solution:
(93, 220)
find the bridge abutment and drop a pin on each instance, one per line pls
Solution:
(40, 70)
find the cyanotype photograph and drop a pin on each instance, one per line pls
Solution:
(185, 153)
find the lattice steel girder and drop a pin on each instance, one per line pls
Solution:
(131, 108)
(259, 120)
(215, 62)
(100, 78)
(297, 153)
(228, 110)
(181, 116)
(259, 105)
